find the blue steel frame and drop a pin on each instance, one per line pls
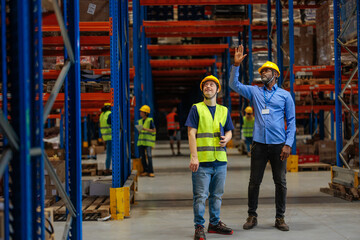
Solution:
(115, 79)
(21, 225)
(251, 68)
(279, 39)
(214, 67)
(5, 112)
(75, 190)
(227, 75)
(137, 64)
(358, 50)
(269, 24)
(291, 68)
(37, 126)
(338, 105)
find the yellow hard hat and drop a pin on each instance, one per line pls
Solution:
(145, 108)
(248, 109)
(210, 78)
(107, 104)
(271, 65)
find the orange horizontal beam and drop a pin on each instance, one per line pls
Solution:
(177, 79)
(193, 34)
(53, 74)
(88, 52)
(195, 63)
(198, 23)
(84, 41)
(193, 29)
(187, 50)
(84, 97)
(199, 2)
(84, 27)
(176, 73)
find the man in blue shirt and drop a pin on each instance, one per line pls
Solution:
(271, 142)
(209, 130)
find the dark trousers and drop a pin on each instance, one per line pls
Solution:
(148, 166)
(260, 155)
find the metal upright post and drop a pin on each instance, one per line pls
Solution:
(37, 124)
(61, 129)
(292, 57)
(214, 68)
(279, 38)
(21, 225)
(115, 78)
(142, 58)
(251, 70)
(85, 133)
(358, 50)
(227, 75)
(269, 24)
(338, 105)
(137, 64)
(75, 189)
(5, 112)
(321, 124)
(245, 61)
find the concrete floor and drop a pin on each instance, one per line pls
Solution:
(163, 206)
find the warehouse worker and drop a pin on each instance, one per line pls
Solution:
(105, 129)
(146, 140)
(248, 128)
(270, 139)
(209, 130)
(173, 127)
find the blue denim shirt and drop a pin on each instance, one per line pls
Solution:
(268, 128)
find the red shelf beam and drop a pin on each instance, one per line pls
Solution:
(177, 73)
(84, 41)
(199, 2)
(88, 52)
(187, 50)
(84, 27)
(180, 63)
(53, 74)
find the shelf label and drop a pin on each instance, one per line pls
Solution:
(91, 8)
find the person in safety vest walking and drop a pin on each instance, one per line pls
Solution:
(271, 142)
(105, 129)
(146, 140)
(248, 128)
(209, 130)
(174, 132)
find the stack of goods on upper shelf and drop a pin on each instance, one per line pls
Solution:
(260, 15)
(160, 13)
(191, 12)
(229, 11)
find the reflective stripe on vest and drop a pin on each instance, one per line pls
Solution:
(105, 128)
(171, 124)
(208, 133)
(248, 127)
(146, 138)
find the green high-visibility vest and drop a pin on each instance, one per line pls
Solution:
(146, 138)
(105, 128)
(248, 127)
(208, 133)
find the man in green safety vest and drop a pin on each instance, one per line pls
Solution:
(209, 130)
(105, 129)
(146, 140)
(248, 128)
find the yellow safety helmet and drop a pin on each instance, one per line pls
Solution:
(248, 109)
(271, 65)
(145, 108)
(107, 104)
(210, 78)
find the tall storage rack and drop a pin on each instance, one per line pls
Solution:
(23, 152)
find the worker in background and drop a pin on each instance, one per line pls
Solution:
(209, 130)
(248, 128)
(105, 129)
(174, 132)
(146, 140)
(271, 142)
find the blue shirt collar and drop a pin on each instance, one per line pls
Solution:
(273, 88)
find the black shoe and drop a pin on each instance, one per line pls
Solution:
(281, 225)
(251, 222)
(220, 228)
(199, 233)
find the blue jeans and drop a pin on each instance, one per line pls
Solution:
(148, 166)
(248, 142)
(208, 180)
(108, 154)
(260, 154)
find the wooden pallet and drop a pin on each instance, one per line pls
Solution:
(314, 167)
(341, 191)
(89, 169)
(93, 207)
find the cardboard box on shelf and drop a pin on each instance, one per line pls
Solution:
(99, 149)
(49, 224)
(94, 10)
